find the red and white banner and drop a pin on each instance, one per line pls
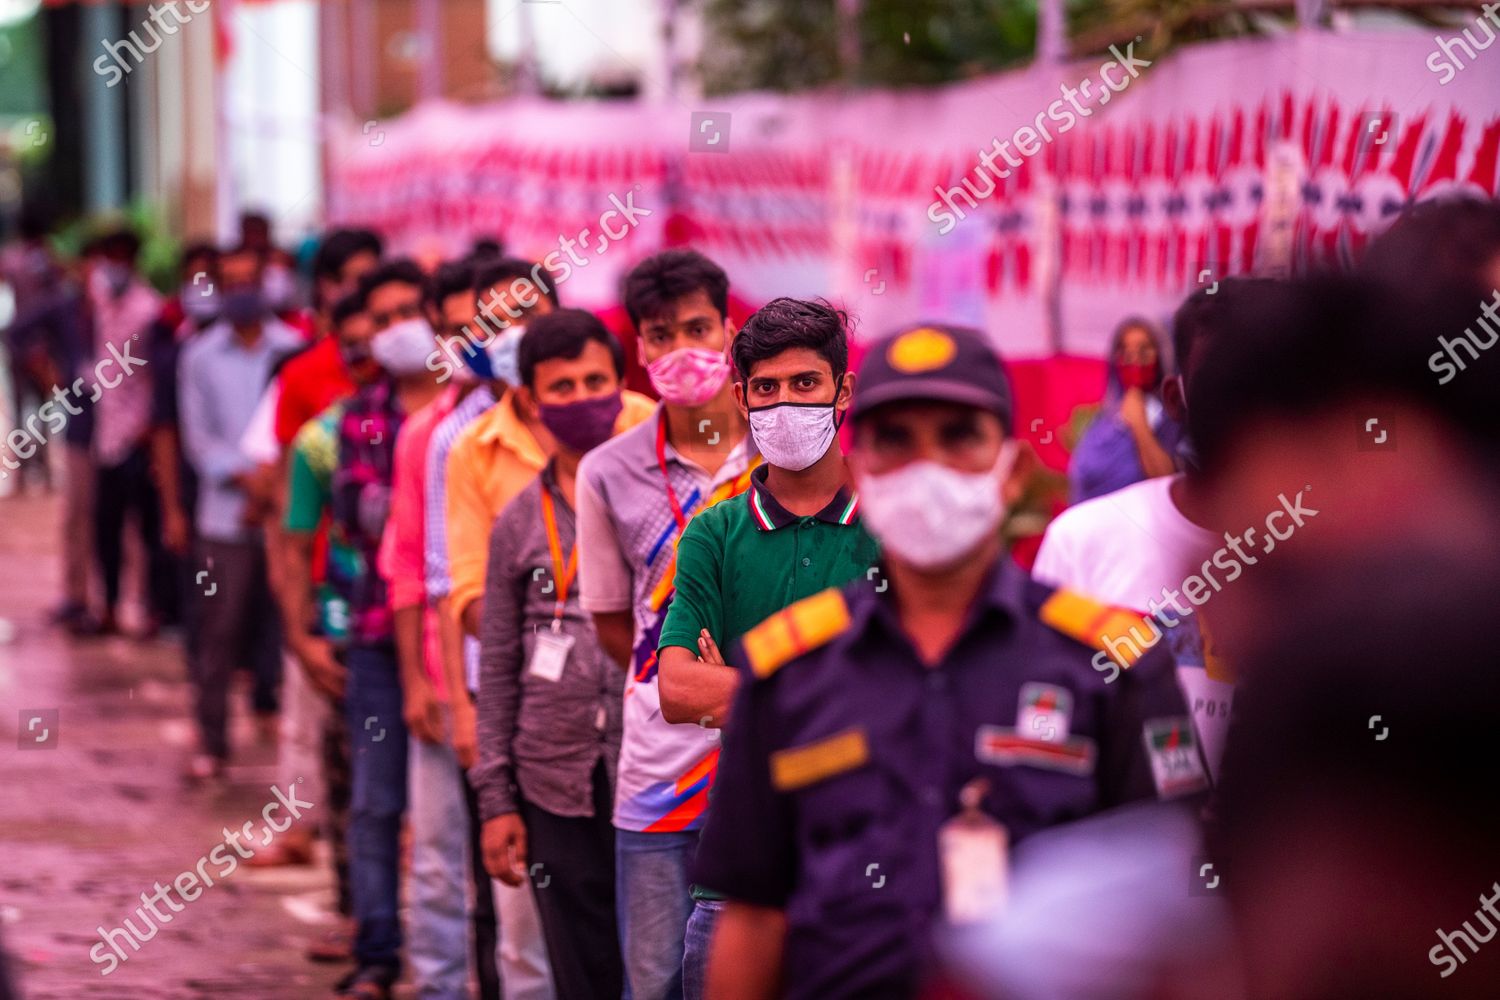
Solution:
(1168, 185)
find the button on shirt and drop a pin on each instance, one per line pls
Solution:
(219, 387)
(626, 538)
(853, 754)
(540, 735)
(743, 560)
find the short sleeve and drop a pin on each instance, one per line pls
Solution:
(1053, 558)
(604, 578)
(698, 602)
(747, 848)
(307, 492)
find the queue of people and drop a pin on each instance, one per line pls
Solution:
(676, 697)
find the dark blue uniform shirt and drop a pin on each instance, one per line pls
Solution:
(841, 763)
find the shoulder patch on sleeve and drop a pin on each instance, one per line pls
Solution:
(1124, 634)
(794, 630)
(799, 767)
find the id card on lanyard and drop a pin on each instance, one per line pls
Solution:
(550, 653)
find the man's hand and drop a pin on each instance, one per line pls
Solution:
(176, 532)
(323, 668)
(423, 712)
(708, 650)
(503, 841)
(1133, 409)
(465, 731)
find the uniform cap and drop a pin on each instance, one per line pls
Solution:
(947, 364)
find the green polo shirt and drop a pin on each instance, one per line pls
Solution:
(746, 558)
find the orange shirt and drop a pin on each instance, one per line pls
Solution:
(494, 459)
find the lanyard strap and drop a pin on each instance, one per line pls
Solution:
(562, 576)
(661, 461)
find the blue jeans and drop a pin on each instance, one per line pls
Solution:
(653, 901)
(438, 924)
(377, 737)
(700, 932)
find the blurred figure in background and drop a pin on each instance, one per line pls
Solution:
(1147, 546)
(1133, 436)
(124, 308)
(223, 374)
(315, 613)
(192, 310)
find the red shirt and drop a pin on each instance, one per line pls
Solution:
(310, 382)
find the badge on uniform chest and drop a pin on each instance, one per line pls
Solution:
(1176, 766)
(1041, 737)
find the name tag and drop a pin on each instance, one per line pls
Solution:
(550, 654)
(974, 849)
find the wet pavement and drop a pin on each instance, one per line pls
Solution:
(93, 812)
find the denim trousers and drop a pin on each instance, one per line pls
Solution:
(652, 895)
(377, 737)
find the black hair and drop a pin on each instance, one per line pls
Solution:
(785, 323)
(487, 248)
(1208, 310)
(1435, 243)
(508, 270)
(564, 334)
(339, 246)
(1315, 345)
(34, 221)
(346, 307)
(122, 240)
(401, 270)
(196, 249)
(664, 278)
(451, 278)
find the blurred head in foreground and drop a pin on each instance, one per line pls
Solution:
(1358, 808)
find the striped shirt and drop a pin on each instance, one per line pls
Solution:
(435, 534)
(626, 552)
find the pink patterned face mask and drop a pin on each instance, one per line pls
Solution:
(690, 376)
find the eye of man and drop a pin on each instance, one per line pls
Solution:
(960, 432)
(595, 381)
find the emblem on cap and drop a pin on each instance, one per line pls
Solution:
(921, 350)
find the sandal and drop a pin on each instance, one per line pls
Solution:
(370, 983)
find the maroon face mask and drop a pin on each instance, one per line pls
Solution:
(1137, 376)
(583, 425)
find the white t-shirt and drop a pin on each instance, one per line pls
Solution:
(1134, 548)
(258, 443)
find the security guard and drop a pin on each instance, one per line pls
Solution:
(899, 734)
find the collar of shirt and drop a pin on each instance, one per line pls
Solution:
(739, 457)
(768, 515)
(501, 423)
(1002, 593)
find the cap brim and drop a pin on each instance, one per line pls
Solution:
(937, 390)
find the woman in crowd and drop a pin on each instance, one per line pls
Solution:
(1132, 437)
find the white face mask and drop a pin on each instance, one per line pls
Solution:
(505, 354)
(931, 515)
(793, 436)
(403, 349)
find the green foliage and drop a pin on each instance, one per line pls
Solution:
(792, 45)
(160, 250)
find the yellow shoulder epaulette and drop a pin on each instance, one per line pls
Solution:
(795, 630)
(1120, 632)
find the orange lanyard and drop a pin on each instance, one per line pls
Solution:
(562, 576)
